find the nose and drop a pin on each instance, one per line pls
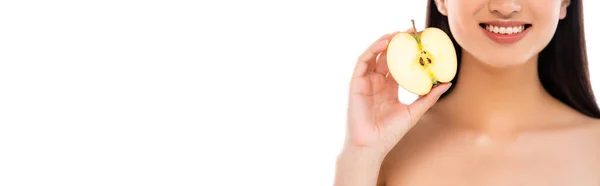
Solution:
(504, 8)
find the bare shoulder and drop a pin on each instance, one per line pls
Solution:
(593, 123)
(579, 128)
(590, 130)
(412, 151)
(582, 135)
(411, 144)
(568, 120)
(585, 124)
(593, 126)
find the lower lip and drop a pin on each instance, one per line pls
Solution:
(505, 38)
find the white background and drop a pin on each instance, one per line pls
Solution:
(186, 92)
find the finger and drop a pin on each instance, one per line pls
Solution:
(374, 55)
(365, 61)
(382, 67)
(392, 85)
(422, 104)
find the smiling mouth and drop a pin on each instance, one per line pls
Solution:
(505, 29)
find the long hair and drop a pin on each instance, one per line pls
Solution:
(562, 66)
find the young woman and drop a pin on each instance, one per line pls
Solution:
(521, 110)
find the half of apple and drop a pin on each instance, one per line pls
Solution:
(421, 60)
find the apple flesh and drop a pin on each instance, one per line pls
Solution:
(421, 60)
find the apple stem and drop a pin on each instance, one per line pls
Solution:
(415, 31)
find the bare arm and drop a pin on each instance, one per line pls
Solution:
(377, 120)
(358, 167)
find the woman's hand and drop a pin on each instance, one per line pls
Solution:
(377, 120)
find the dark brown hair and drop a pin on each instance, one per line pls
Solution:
(563, 65)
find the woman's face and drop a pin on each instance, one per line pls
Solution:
(503, 33)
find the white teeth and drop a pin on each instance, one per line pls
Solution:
(505, 30)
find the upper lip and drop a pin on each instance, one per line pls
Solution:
(506, 23)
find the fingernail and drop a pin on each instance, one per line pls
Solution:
(383, 43)
(447, 88)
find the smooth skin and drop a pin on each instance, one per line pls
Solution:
(377, 120)
(498, 127)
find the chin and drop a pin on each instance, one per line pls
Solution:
(500, 60)
(504, 64)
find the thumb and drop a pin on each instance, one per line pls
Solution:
(423, 103)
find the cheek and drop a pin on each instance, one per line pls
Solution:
(464, 28)
(545, 19)
(545, 14)
(461, 18)
(549, 9)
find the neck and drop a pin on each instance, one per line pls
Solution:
(495, 99)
